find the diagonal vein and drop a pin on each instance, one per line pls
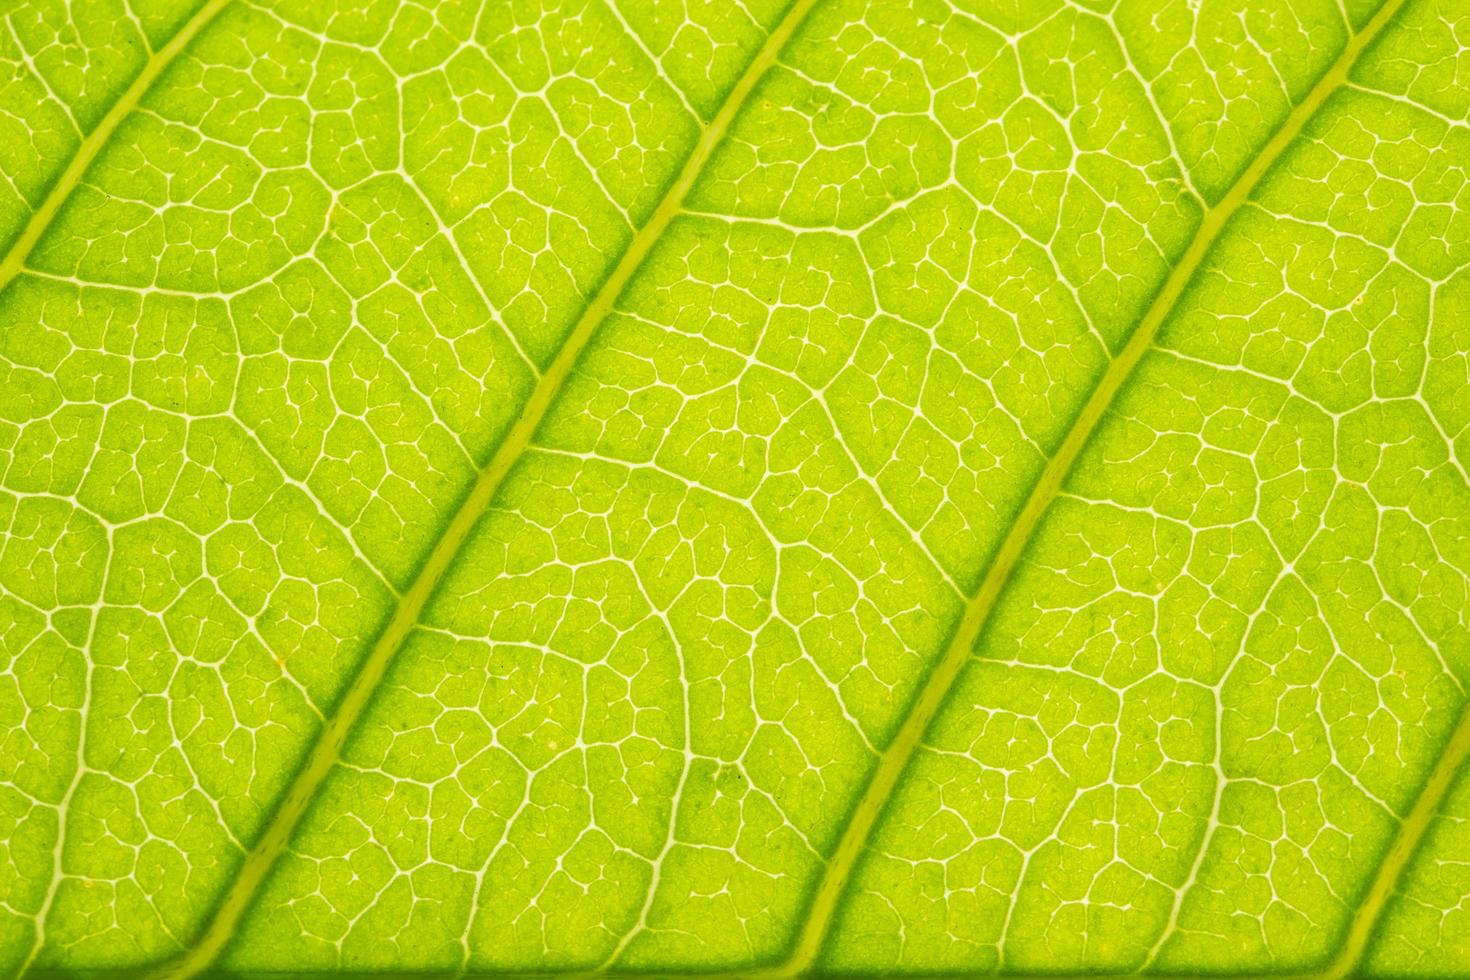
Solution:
(931, 696)
(327, 748)
(15, 259)
(1401, 850)
(11, 265)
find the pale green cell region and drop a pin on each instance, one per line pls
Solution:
(796, 357)
(216, 471)
(178, 615)
(700, 47)
(615, 740)
(1049, 133)
(977, 179)
(275, 331)
(1224, 74)
(1237, 643)
(1426, 930)
(66, 65)
(367, 361)
(545, 145)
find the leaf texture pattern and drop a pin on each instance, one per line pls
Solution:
(827, 486)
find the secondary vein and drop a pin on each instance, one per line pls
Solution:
(15, 259)
(1401, 851)
(11, 266)
(327, 748)
(957, 653)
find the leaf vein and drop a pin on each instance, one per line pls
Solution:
(323, 754)
(828, 895)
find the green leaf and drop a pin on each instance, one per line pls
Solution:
(822, 485)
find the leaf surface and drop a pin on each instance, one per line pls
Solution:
(830, 485)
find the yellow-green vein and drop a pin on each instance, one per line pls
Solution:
(14, 263)
(15, 259)
(891, 765)
(326, 749)
(1401, 850)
